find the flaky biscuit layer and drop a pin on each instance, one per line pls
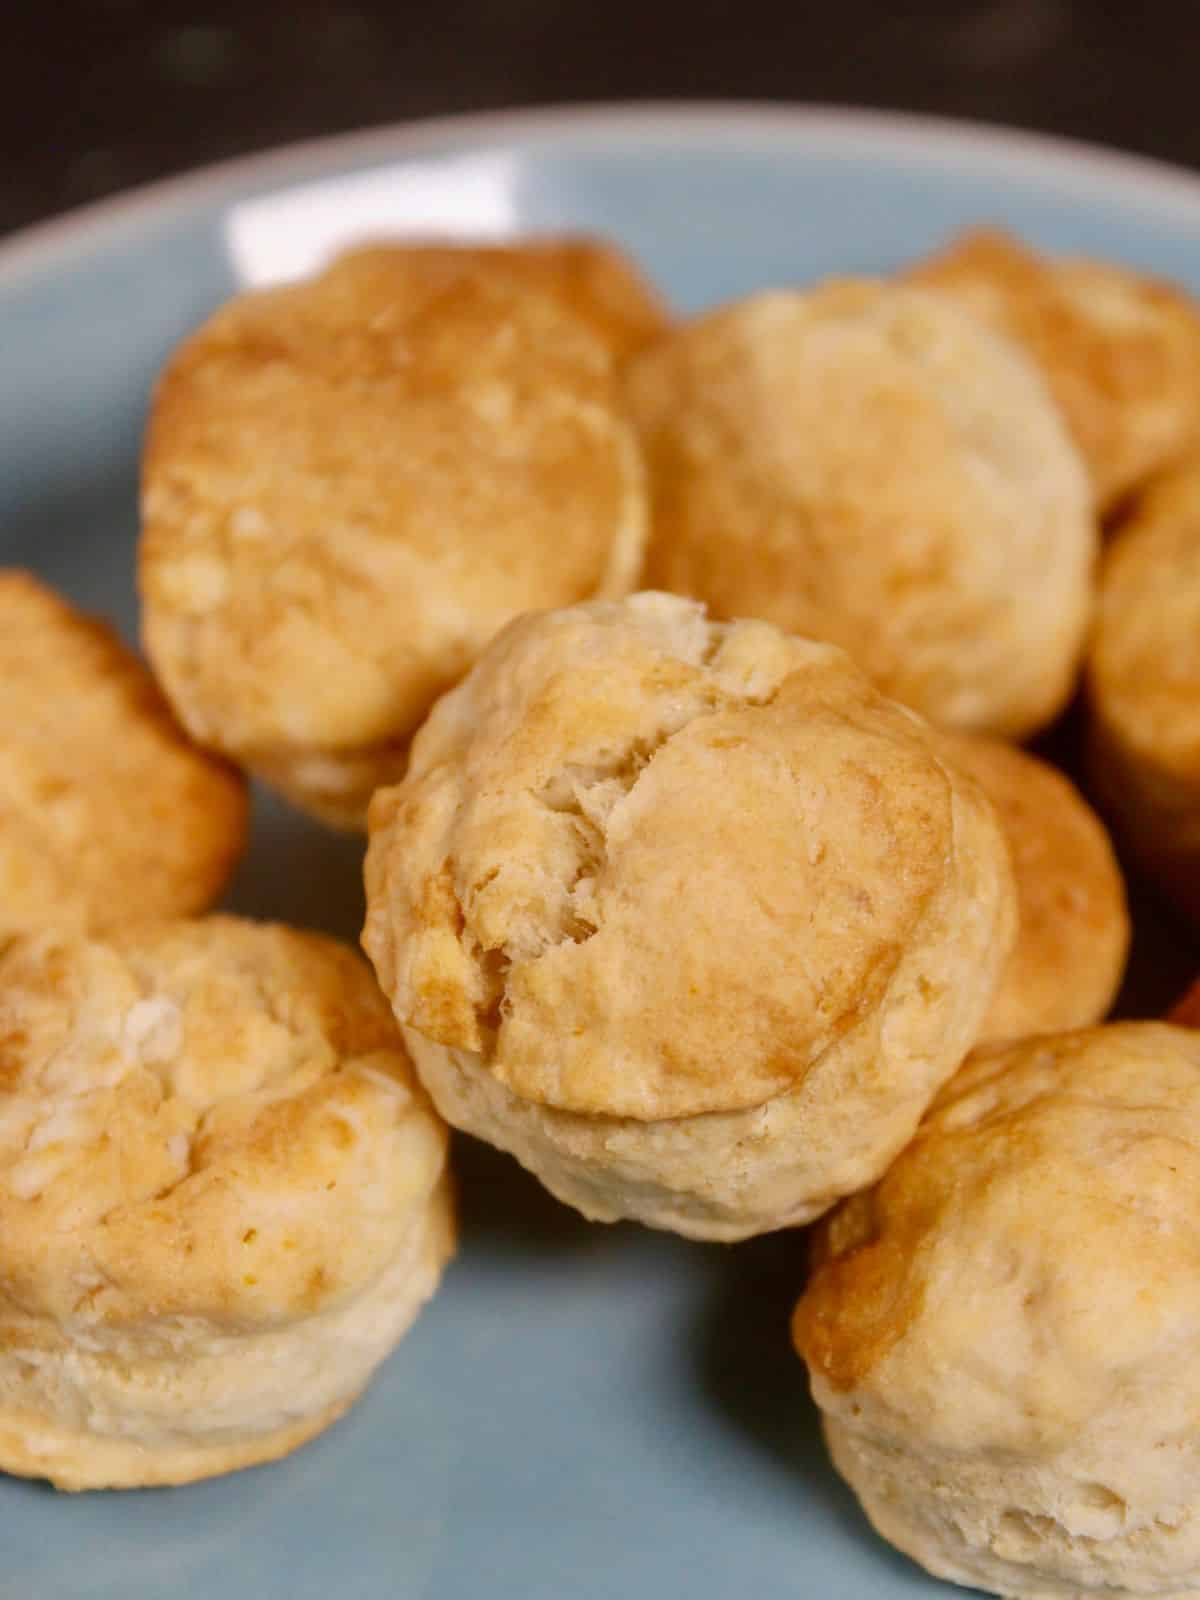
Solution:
(684, 909)
(221, 1196)
(1003, 1333)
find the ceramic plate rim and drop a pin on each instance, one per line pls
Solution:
(899, 138)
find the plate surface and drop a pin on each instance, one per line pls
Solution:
(600, 1413)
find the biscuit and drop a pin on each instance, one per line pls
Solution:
(1119, 350)
(223, 1197)
(1073, 920)
(1004, 1334)
(684, 915)
(592, 278)
(349, 484)
(867, 464)
(107, 813)
(1143, 681)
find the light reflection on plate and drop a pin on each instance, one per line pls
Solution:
(291, 234)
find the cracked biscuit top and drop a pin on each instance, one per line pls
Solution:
(107, 813)
(212, 1119)
(350, 483)
(650, 866)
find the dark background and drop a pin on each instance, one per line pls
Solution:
(102, 95)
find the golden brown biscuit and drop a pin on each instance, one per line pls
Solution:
(866, 464)
(1143, 679)
(684, 915)
(350, 484)
(591, 277)
(107, 813)
(1120, 350)
(1004, 1334)
(222, 1197)
(1073, 921)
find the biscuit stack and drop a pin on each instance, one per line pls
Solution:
(223, 1193)
(724, 906)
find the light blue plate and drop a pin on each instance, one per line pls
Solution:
(599, 1414)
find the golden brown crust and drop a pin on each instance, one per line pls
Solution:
(648, 865)
(107, 813)
(1003, 1332)
(232, 1402)
(1143, 680)
(222, 1196)
(165, 1086)
(1120, 350)
(1019, 1124)
(350, 483)
(589, 276)
(1073, 920)
(865, 463)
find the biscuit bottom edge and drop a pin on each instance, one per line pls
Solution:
(75, 1460)
(718, 1178)
(968, 1539)
(220, 1386)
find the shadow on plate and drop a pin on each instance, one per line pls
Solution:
(749, 1372)
(296, 871)
(78, 533)
(505, 1211)
(1165, 954)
